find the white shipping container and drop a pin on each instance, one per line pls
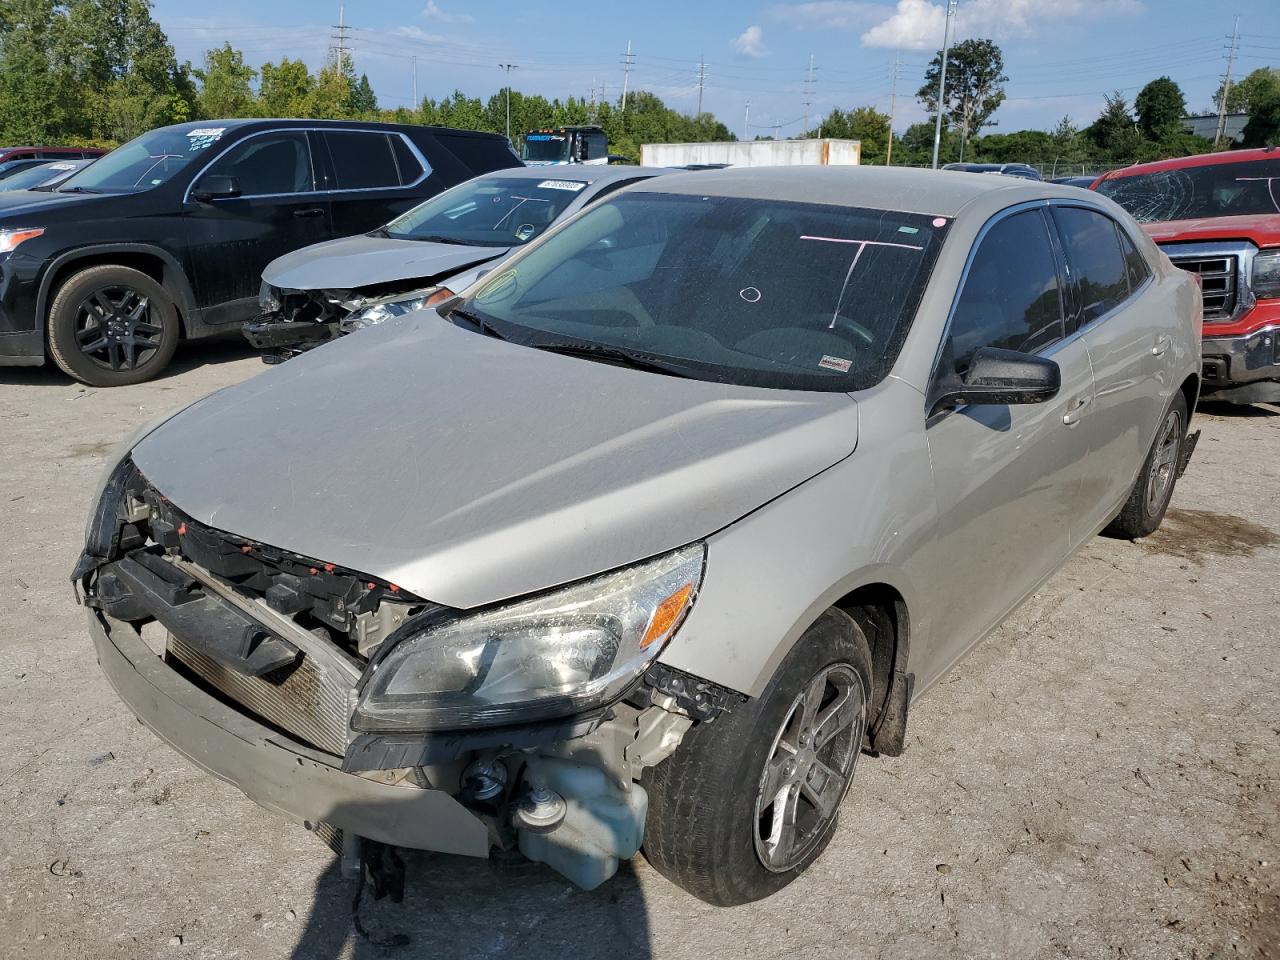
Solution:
(754, 153)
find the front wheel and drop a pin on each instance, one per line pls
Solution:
(749, 800)
(1144, 511)
(110, 326)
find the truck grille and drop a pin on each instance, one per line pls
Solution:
(302, 699)
(1217, 281)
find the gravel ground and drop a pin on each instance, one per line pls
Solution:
(1100, 778)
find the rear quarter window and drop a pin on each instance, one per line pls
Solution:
(362, 160)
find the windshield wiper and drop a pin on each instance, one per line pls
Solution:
(479, 322)
(431, 239)
(80, 190)
(610, 354)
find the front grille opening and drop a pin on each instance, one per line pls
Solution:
(1218, 282)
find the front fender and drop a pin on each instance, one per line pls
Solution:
(175, 276)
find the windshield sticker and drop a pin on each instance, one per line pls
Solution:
(939, 221)
(203, 137)
(571, 185)
(835, 363)
(908, 229)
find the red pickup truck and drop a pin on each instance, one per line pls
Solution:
(1218, 215)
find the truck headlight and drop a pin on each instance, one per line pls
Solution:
(1266, 275)
(564, 652)
(377, 311)
(268, 298)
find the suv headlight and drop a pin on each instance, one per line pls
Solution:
(12, 237)
(372, 312)
(1266, 275)
(268, 298)
(567, 651)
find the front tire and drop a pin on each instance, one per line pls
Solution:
(749, 800)
(110, 326)
(1144, 511)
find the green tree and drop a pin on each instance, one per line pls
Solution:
(866, 124)
(1160, 107)
(226, 84)
(1115, 132)
(1263, 128)
(364, 103)
(974, 87)
(333, 96)
(1250, 91)
(285, 89)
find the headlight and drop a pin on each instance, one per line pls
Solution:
(268, 298)
(1266, 275)
(9, 239)
(377, 311)
(564, 652)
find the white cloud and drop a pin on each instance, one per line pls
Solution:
(827, 14)
(750, 43)
(919, 24)
(411, 32)
(432, 11)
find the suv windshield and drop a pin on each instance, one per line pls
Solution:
(488, 212)
(749, 291)
(546, 147)
(144, 162)
(1216, 190)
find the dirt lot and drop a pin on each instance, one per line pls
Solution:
(1101, 778)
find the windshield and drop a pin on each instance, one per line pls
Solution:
(488, 212)
(146, 161)
(34, 176)
(748, 291)
(545, 146)
(1216, 190)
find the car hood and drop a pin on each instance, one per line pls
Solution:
(363, 261)
(21, 203)
(467, 470)
(1262, 228)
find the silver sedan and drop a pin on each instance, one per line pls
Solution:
(647, 535)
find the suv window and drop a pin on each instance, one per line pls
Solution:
(362, 161)
(1012, 298)
(1094, 260)
(410, 166)
(271, 164)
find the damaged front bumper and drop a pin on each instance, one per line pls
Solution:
(272, 769)
(279, 339)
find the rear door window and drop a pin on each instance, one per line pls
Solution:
(276, 163)
(1097, 266)
(1012, 297)
(362, 160)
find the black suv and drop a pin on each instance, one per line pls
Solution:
(166, 237)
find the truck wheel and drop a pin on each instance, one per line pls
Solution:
(749, 800)
(1149, 499)
(110, 326)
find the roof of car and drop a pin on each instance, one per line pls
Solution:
(582, 172)
(1199, 160)
(295, 122)
(939, 192)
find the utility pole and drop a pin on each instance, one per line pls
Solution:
(893, 106)
(340, 39)
(508, 67)
(746, 122)
(808, 98)
(1226, 85)
(942, 82)
(702, 78)
(416, 103)
(628, 58)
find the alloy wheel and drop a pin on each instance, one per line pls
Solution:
(114, 328)
(809, 767)
(1165, 466)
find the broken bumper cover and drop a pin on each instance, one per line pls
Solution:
(271, 769)
(1245, 367)
(272, 334)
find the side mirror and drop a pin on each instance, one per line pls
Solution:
(216, 187)
(1001, 377)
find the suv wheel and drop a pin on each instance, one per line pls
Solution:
(1144, 511)
(749, 800)
(110, 326)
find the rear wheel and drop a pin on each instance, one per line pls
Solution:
(110, 326)
(750, 800)
(1145, 509)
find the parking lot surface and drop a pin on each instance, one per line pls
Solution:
(1100, 778)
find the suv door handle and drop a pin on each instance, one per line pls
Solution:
(1162, 346)
(1075, 411)
(309, 212)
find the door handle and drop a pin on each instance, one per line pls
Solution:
(1075, 411)
(1162, 346)
(309, 212)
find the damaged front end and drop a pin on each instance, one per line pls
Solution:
(338, 698)
(291, 322)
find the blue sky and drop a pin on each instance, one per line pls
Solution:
(1061, 55)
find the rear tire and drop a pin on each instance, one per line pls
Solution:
(719, 806)
(1144, 511)
(110, 326)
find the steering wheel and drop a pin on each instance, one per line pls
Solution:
(851, 327)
